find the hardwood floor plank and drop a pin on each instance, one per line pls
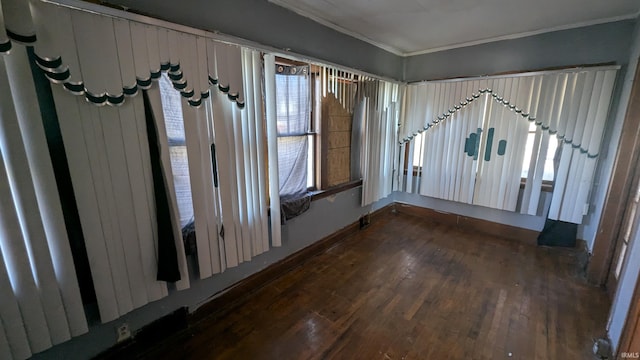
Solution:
(409, 288)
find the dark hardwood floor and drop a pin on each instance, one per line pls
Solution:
(406, 288)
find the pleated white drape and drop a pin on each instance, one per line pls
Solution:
(107, 147)
(108, 155)
(379, 113)
(272, 146)
(341, 84)
(231, 220)
(39, 294)
(471, 135)
(498, 175)
(252, 148)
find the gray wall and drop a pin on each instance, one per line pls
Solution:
(272, 25)
(324, 217)
(595, 44)
(587, 45)
(479, 212)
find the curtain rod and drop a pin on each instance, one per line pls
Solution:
(229, 39)
(521, 74)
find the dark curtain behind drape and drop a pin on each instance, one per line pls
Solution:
(168, 269)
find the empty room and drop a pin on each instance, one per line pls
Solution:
(279, 179)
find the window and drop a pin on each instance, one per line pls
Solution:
(547, 176)
(172, 109)
(296, 140)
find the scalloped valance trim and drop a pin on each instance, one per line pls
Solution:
(501, 100)
(5, 47)
(58, 73)
(6, 43)
(24, 39)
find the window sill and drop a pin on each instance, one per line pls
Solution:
(547, 186)
(321, 194)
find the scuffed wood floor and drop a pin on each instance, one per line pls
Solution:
(406, 288)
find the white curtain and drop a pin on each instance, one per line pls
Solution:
(41, 304)
(116, 207)
(272, 146)
(107, 147)
(253, 146)
(229, 198)
(341, 84)
(378, 112)
(469, 136)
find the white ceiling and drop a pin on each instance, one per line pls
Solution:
(410, 27)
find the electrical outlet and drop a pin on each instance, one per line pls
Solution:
(123, 332)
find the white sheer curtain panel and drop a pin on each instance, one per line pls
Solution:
(293, 96)
(469, 135)
(41, 303)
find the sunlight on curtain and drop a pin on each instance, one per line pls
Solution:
(172, 110)
(376, 117)
(41, 304)
(469, 138)
(108, 149)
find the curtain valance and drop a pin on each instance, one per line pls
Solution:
(107, 59)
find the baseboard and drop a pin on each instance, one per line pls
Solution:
(232, 297)
(470, 224)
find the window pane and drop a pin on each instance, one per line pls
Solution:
(180, 168)
(528, 149)
(548, 164)
(547, 175)
(172, 109)
(293, 104)
(292, 164)
(295, 145)
(418, 150)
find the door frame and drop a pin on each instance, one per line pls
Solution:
(630, 338)
(630, 222)
(618, 191)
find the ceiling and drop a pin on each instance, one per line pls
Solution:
(411, 27)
